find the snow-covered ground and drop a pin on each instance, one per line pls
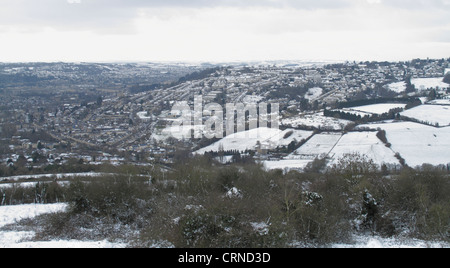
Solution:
(313, 93)
(318, 146)
(432, 114)
(417, 143)
(420, 84)
(426, 83)
(287, 164)
(363, 143)
(316, 120)
(57, 176)
(265, 138)
(440, 102)
(373, 109)
(379, 109)
(336, 146)
(379, 242)
(12, 239)
(20, 239)
(398, 87)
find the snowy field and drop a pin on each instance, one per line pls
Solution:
(266, 138)
(286, 165)
(313, 93)
(426, 83)
(379, 242)
(379, 109)
(417, 143)
(433, 114)
(317, 120)
(335, 146)
(420, 84)
(363, 143)
(318, 146)
(56, 176)
(398, 87)
(440, 102)
(20, 239)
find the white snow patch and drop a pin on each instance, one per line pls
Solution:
(234, 193)
(317, 120)
(286, 164)
(379, 242)
(57, 176)
(418, 144)
(398, 87)
(11, 239)
(318, 146)
(432, 114)
(366, 144)
(314, 93)
(379, 109)
(261, 228)
(422, 84)
(440, 102)
(258, 138)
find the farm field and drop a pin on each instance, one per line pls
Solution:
(417, 143)
(266, 138)
(318, 146)
(379, 109)
(426, 83)
(364, 143)
(430, 114)
(317, 120)
(420, 84)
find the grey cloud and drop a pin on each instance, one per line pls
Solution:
(117, 15)
(418, 4)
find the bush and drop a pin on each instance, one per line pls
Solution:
(420, 203)
(118, 199)
(447, 78)
(191, 205)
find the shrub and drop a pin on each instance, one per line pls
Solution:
(118, 199)
(420, 203)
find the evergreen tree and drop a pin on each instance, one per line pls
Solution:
(447, 78)
(409, 86)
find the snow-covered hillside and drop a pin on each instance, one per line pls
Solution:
(379, 109)
(426, 83)
(363, 143)
(21, 239)
(417, 143)
(259, 138)
(420, 84)
(317, 120)
(430, 114)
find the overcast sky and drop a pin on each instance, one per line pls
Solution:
(223, 30)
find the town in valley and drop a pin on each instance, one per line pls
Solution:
(92, 114)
